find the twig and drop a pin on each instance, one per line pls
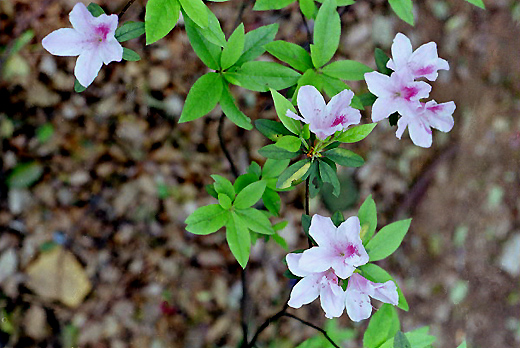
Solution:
(223, 146)
(266, 323)
(314, 327)
(243, 307)
(243, 7)
(306, 25)
(127, 6)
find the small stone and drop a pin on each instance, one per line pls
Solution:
(8, 264)
(510, 258)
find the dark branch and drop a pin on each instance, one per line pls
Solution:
(224, 148)
(127, 6)
(243, 308)
(266, 323)
(314, 327)
(307, 30)
(241, 10)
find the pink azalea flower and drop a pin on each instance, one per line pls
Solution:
(338, 248)
(424, 62)
(325, 119)
(91, 38)
(359, 291)
(322, 284)
(420, 121)
(396, 93)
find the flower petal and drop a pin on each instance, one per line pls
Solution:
(293, 261)
(87, 67)
(65, 42)
(425, 62)
(338, 113)
(317, 259)
(440, 115)
(383, 108)
(342, 267)
(82, 20)
(379, 84)
(386, 292)
(310, 103)
(357, 304)
(420, 133)
(401, 52)
(296, 117)
(305, 291)
(111, 51)
(402, 123)
(332, 299)
(323, 231)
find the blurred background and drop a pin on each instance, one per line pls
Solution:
(95, 187)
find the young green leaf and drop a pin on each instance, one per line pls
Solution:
(231, 110)
(294, 172)
(403, 9)
(273, 130)
(24, 175)
(160, 18)
(382, 326)
(349, 70)
(78, 87)
(223, 185)
(376, 274)
(238, 238)
(333, 85)
(129, 30)
(95, 9)
(356, 133)
(387, 240)
(367, 215)
(249, 195)
(275, 152)
(309, 77)
(367, 99)
(272, 201)
(418, 338)
(289, 143)
(337, 218)
(400, 340)
(224, 201)
(202, 97)
(327, 30)
(260, 76)
(381, 61)
(282, 105)
(234, 48)
(213, 31)
(197, 11)
(342, 2)
(207, 51)
(272, 168)
(266, 5)
(294, 55)
(256, 220)
(462, 345)
(329, 175)
(344, 157)
(478, 3)
(244, 180)
(308, 8)
(130, 55)
(255, 41)
(207, 219)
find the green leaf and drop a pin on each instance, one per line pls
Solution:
(275, 152)
(234, 48)
(387, 240)
(255, 41)
(130, 55)
(129, 31)
(272, 201)
(462, 345)
(310, 77)
(160, 18)
(349, 70)
(260, 76)
(327, 29)
(256, 220)
(367, 99)
(197, 11)
(403, 9)
(213, 31)
(207, 219)
(249, 195)
(400, 340)
(244, 180)
(376, 274)
(478, 3)
(238, 238)
(367, 215)
(381, 61)
(333, 85)
(272, 168)
(273, 130)
(95, 9)
(24, 175)
(280, 241)
(211, 191)
(223, 185)
(202, 97)
(254, 168)
(328, 174)
(266, 5)
(344, 157)
(78, 87)
(308, 8)
(294, 172)
(282, 105)
(342, 2)
(382, 326)
(417, 339)
(294, 55)
(207, 51)
(231, 110)
(356, 133)
(224, 201)
(289, 143)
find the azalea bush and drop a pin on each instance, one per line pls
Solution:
(339, 262)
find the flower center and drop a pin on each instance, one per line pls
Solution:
(339, 120)
(102, 32)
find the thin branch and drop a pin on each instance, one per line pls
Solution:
(243, 7)
(243, 307)
(223, 146)
(266, 323)
(314, 327)
(306, 25)
(127, 6)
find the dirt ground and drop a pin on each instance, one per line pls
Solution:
(117, 176)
